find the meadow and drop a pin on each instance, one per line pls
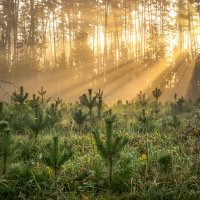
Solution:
(142, 149)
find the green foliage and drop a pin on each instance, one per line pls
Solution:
(157, 93)
(179, 103)
(56, 157)
(42, 92)
(1, 110)
(174, 122)
(108, 115)
(5, 143)
(54, 114)
(4, 125)
(27, 150)
(165, 164)
(38, 121)
(143, 117)
(79, 117)
(21, 97)
(142, 99)
(99, 102)
(111, 147)
(89, 101)
(138, 172)
(34, 101)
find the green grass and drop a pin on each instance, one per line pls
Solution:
(85, 175)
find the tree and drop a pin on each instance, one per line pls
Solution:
(157, 93)
(79, 117)
(99, 102)
(111, 147)
(38, 121)
(5, 143)
(21, 97)
(54, 114)
(89, 102)
(42, 92)
(56, 156)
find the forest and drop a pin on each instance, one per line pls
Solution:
(72, 45)
(99, 99)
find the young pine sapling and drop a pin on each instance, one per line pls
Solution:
(54, 114)
(79, 117)
(21, 97)
(56, 157)
(5, 143)
(111, 147)
(142, 99)
(42, 92)
(34, 101)
(157, 93)
(89, 102)
(99, 102)
(38, 122)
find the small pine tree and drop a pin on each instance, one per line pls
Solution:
(56, 157)
(157, 93)
(34, 101)
(142, 99)
(89, 101)
(59, 101)
(99, 102)
(54, 114)
(111, 147)
(42, 92)
(108, 115)
(143, 117)
(38, 122)
(5, 143)
(79, 117)
(21, 97)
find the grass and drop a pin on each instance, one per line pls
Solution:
(138, 170)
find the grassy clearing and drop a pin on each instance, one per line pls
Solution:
(161, 159)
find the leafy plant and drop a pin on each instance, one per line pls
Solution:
(111, 147)
(21, 97)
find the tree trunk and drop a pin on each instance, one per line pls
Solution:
(110, 171)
